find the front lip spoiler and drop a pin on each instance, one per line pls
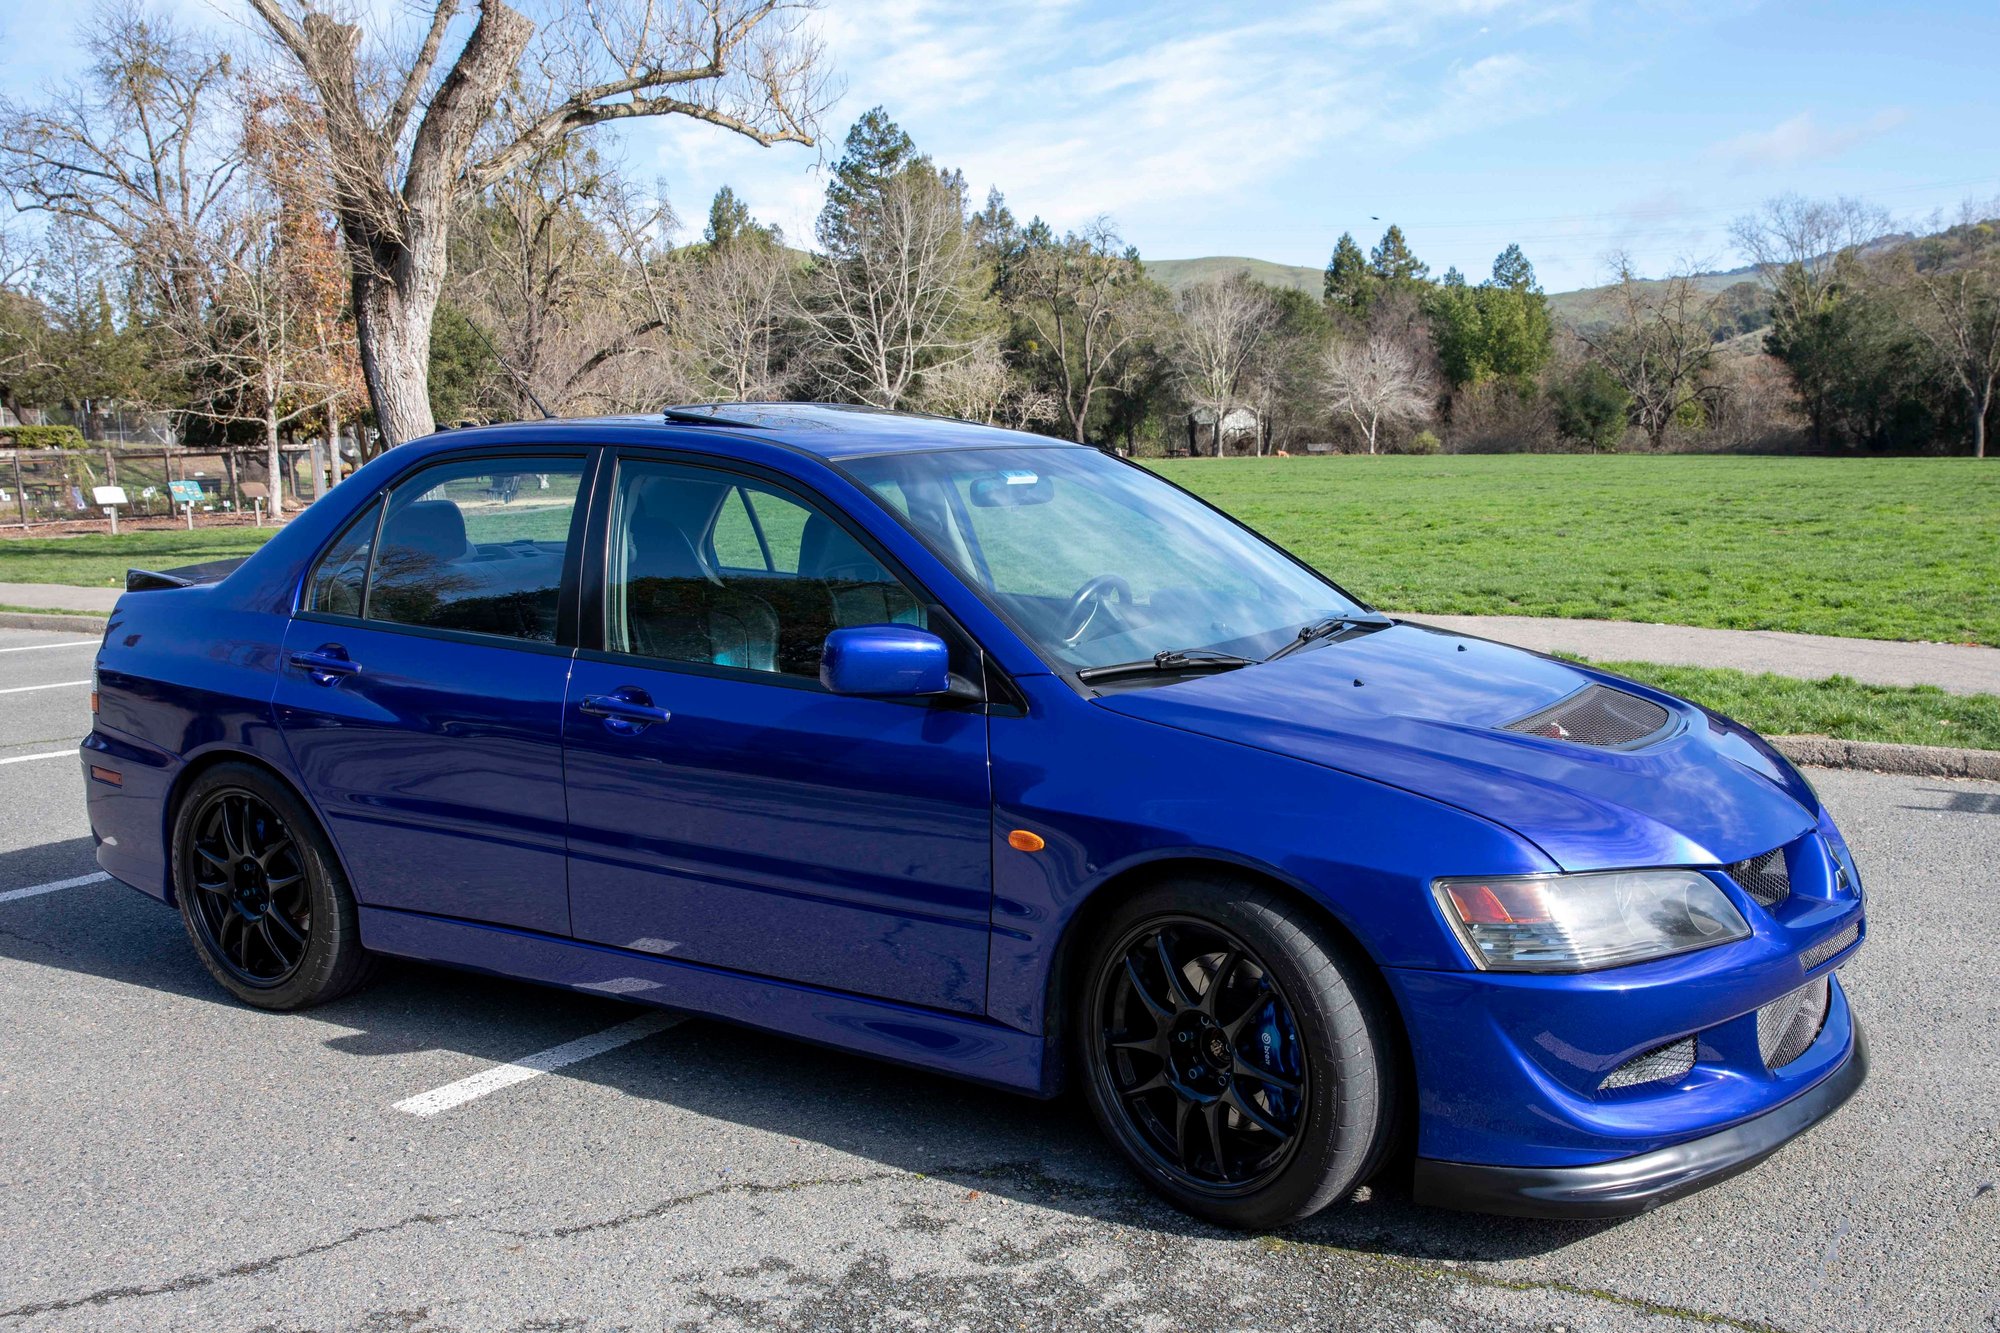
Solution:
(1630, 1185)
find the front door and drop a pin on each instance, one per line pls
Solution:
(725, 808)
(421, 692)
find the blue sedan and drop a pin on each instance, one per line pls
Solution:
(1000, 757)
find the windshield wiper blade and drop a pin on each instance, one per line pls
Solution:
(1319, 629)
(1172, 659)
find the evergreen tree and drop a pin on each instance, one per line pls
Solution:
(728, 219)
(1392, 262)
(876, 152)
(1347, 279)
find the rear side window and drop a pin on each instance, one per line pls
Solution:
(337, 580)
(477, 546)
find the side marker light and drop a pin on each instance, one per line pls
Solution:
(1023, 841)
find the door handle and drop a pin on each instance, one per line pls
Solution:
(627, 712)
(326, 663)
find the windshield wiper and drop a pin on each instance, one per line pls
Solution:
(1319, 629)
(1173, 659)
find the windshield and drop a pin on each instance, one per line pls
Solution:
(1099, 562)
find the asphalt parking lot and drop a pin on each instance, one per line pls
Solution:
(174, 1160)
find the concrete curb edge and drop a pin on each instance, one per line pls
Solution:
(1922, 761)
(79, 623)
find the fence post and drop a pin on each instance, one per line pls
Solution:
(20, 490)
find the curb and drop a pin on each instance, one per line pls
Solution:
(1922, 761)
(75, 623)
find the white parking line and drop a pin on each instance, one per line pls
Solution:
(533, 1066)
(59, 685)
(38, 889)
(45, 754)
(36, 647)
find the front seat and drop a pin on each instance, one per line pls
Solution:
(676, 608)
(859, 589)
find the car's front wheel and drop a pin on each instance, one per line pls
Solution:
(261, 894)
(1235, 1052)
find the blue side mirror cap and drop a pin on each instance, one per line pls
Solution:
(885, 662)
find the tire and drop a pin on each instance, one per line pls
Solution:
(1296, 1010)
(261, 893)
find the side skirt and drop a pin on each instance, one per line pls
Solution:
(964, 1047)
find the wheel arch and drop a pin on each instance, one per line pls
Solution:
(191, 770)
(1073, 950)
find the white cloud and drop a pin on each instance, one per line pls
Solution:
(1802, 139)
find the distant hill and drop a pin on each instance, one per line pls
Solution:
(1582, 308)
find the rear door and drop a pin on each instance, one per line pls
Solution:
(422, 689)
(727, 809)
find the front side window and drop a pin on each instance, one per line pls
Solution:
(477, 546)
(719, 570)
(1099, 562)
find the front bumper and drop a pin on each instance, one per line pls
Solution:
(1629, 1185)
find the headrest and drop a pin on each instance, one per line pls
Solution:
(433, 527)
(829, 551)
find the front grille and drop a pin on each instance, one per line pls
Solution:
(1662, 1064)
(1828, 947)
(1596, 715)
(1765, 878)
(1787, 1025)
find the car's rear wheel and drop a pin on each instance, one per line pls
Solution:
(1235, 1052)
(260, 892)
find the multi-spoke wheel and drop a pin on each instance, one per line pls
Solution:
(1234, 1052)
(260, 893)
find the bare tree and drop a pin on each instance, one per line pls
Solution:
(407, 134)
(1807, 252)
(1222, 324)
(1377, 381)
(143, 153)
(733, 316)
(1659, 346)
(897, 305)
(983, 387)
(1086, 299)
(1956, 276)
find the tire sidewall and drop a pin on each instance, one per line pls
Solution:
(1339, 1133)
(322, 974)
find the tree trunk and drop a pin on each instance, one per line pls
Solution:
(1980, 406)
(274, 463)
(393, 327)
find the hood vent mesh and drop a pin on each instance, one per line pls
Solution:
(1765, 878)
(1599, 716)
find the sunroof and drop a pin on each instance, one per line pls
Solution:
(774, 416)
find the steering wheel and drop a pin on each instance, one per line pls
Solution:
(1087, 600)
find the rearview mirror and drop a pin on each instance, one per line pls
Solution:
(1011, 489)
(885, 662)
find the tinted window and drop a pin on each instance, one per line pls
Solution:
(336, 582)
(674, 592)
(477, 546)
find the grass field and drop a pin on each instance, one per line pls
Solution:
(1873, 548)
(100, 561)
(1837, 707)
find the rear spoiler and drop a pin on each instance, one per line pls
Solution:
(186, 576)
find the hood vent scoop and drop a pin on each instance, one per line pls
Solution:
(1598, 716)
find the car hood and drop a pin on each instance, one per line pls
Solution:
(1421, 709)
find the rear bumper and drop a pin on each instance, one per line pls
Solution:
(1629, 1185)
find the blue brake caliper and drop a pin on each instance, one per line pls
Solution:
(1278, 1051)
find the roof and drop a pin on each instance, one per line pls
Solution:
(826, 430)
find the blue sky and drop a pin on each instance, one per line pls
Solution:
(1575, 127)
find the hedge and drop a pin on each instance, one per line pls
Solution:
(44, 437)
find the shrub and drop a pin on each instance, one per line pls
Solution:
(1425, 442)
(1590, 407)
(44, 437)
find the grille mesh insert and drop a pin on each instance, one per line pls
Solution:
(1828, 947)
(1596, 715)
(1662, 1064)
(1787, 1025)
(1765, 878)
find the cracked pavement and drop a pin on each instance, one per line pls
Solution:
(172, 1160)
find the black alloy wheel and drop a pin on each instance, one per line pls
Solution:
(261, 892)
(1203, 1055)
(1239, 1052)
(250, 900)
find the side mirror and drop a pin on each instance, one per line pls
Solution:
(885, 662)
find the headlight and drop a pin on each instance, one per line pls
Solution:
(1576, 923)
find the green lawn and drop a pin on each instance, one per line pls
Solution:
(1874, 548)
(100, 560)
(1837, 706)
